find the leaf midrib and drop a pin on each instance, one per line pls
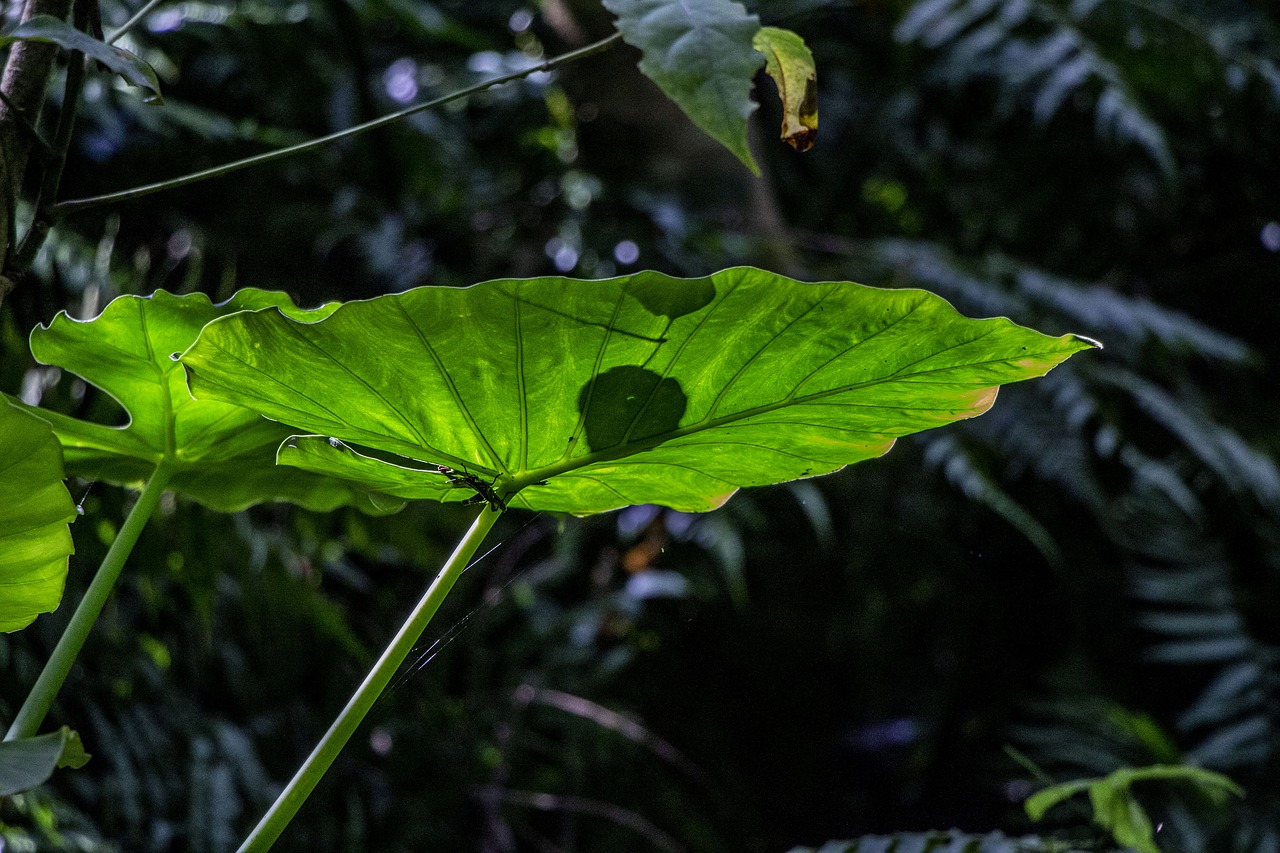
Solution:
(444, 373)
(162, 382)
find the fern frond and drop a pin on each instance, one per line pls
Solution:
(1054, 438)
(1236, 690)
(1125, 324)
(1083, 736)
(1129, 320)
(1187, 611)
(1220, 449)
(946, 842)
(963, 471)
(1242, 43)
(933, 267)
(1158, 501)
(1041, 58)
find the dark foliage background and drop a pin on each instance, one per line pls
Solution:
(1088, 574)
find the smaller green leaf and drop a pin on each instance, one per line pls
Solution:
(701, 56)
(34, 510)
(789, 62)
(28, 762)
(221, 455)
(51, 30)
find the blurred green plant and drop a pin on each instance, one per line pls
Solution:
(1117, 810)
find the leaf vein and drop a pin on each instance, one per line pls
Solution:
(711, 412)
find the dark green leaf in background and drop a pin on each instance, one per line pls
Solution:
(700, 54)
(28, 762)
(586, 396)
(51, 30)
(34, 510)
(222, 455)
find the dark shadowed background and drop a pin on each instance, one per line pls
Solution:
(1089, 574)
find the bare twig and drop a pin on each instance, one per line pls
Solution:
(612, 812)
(626, 726)
(134, 21)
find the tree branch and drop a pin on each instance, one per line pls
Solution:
(26, 76)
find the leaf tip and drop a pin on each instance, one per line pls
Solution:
(1086, 342)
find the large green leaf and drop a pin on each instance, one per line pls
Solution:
(585, 396)
(700, 54)
(28, 762)
(221, 455)
(34, 510)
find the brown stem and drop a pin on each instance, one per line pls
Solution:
(26, 76)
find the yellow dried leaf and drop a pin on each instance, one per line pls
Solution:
(790, 63)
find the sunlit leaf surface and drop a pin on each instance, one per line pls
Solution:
(585, 396)
(223, 455)
(34, 510)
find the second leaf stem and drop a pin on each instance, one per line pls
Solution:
(40, 699)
